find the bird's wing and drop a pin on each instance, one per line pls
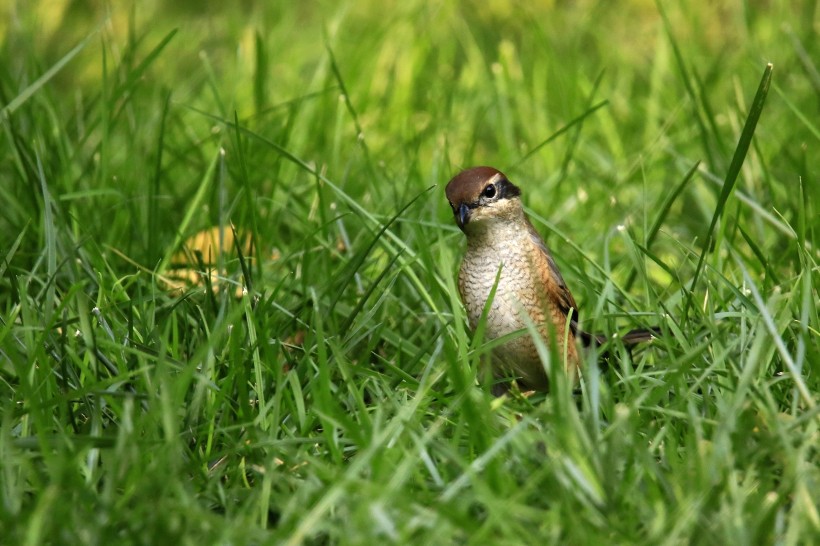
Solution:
(560, 294)
(557, 289)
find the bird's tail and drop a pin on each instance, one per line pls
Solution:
(633, 337)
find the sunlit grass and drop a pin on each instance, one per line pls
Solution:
(315, 382)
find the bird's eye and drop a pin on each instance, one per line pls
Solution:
(489, 191)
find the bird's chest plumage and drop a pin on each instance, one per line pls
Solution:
(517, 268)
(515, 293)
(519, 297)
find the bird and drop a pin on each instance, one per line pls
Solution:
(505, 253)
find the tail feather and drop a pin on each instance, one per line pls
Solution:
(633, 337)
(641, 335)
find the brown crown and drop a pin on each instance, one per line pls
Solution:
(466, 186)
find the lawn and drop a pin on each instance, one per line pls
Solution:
(228, 307)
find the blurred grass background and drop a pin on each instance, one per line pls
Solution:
(334, 401)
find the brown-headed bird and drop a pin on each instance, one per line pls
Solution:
(503, 246)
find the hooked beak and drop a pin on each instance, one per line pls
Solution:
(462, 214)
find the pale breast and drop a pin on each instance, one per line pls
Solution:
(518, 295)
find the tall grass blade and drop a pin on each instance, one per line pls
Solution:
(734, 170)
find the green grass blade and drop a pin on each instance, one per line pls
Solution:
(734, 170)
(30, 90)
(564, 129)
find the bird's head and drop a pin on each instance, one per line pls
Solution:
(482, 195)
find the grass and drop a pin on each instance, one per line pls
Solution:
(314, 381)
